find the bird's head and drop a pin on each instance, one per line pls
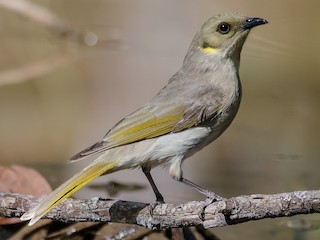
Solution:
(224, 34)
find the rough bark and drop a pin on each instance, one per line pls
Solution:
(217, 214)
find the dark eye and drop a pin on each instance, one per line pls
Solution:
(224, 28)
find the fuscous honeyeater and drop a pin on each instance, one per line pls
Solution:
(194, 108)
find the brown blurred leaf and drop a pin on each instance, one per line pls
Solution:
(19, 179)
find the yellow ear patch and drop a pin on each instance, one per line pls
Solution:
(209, 50)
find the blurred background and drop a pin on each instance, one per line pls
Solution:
(70, 70)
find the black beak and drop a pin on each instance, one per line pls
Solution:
(252, 22)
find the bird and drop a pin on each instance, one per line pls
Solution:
(195, 107)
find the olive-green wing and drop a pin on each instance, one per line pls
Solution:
(148, 123)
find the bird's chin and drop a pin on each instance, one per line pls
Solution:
(234, 47)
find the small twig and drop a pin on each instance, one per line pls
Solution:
(35, 69)
(38, 14)
(231, 211)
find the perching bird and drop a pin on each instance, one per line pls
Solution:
(194, 108)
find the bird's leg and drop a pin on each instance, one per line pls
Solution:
(211, 196)
(159, 197)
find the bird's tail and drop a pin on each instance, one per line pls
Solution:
(92, 171)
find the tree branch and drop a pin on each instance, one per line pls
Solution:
(230, 211)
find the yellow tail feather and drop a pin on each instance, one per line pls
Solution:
(94, 170)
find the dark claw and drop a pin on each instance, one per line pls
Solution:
(152, 206)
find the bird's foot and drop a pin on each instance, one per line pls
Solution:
(153, 205)
(211, 198)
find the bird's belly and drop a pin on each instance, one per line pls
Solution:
(155, 151)
(177, 144)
